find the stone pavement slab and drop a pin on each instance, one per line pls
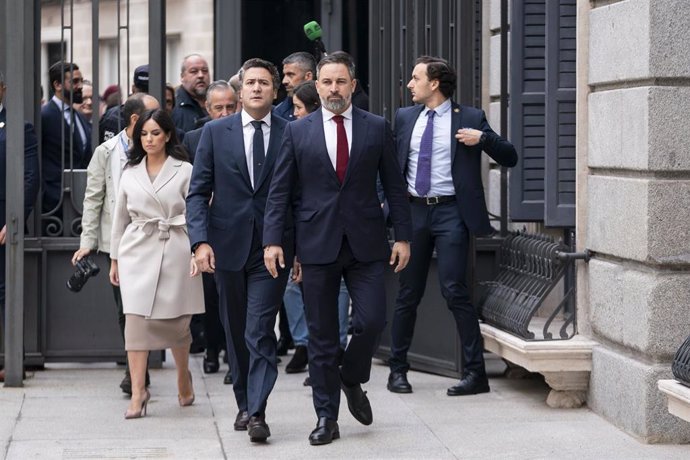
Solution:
(72, 411)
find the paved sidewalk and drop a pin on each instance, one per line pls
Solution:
(72, 411)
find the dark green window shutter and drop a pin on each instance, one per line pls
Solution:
(542, 111)
(560, 114)
(527, 108)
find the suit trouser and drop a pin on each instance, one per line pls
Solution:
(294, 307)
(442, 227)
(321, 285)
(213, 328)
(248, 303)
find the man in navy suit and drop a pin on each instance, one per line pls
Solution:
(439, 147)
(327, 169)
(31, 178)
(65, 133)
(234, 164)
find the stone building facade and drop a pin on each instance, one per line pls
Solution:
(633, 201)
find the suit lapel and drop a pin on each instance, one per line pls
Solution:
(277, 128)
(455, 124)
(236, 141)
(317, 132)
(407, 137)
(359, 135)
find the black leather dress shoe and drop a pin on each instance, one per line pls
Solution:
(228, 378)
(211, 363)
(283, 346)
(358, 403)
(307, 382)
(472, 383)
(325, 432)
(397, 383)
(258, 429)
(299, 361)
(241, 421)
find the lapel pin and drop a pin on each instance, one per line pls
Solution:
(456, 110)
(2, 124)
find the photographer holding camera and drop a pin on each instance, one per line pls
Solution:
(103, 176)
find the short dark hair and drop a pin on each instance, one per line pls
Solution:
(57, 71)
(305, 61)
(439, 69)
(306, 92)
(338, 57)
(264, 64)
(173, 148)
(133, 105)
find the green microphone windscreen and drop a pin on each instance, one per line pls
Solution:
(312, 30)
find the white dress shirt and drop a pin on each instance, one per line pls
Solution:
(248, 131)
(330, 131)
(441, 175)
(118, 162)
(66, 112)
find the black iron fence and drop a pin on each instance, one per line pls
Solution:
(531, 267)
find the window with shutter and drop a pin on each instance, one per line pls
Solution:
(527, 108)
(542, 111)
(560, 114)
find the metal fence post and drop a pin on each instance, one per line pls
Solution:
(157, 50)
(18, 22)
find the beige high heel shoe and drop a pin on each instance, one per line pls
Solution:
(141, 412)
(184, 402)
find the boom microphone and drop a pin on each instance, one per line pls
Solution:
(313, 32)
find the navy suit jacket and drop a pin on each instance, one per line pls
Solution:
(286, 109)
(325, 210)
(52, 154)
(31, 176)
(236, 212)
(191, 142)
(465, 161)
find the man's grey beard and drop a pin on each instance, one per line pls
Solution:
(336, 106)
(200, 93)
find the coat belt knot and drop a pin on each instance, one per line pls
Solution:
(163, 225)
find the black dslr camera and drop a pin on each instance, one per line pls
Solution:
(86, 268)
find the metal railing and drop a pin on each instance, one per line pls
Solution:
(681, 363)
(531, 266)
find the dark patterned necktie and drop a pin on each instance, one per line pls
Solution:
(258, 151)
(423, 180)
(342, 154)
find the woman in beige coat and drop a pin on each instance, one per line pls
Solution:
(151, 261)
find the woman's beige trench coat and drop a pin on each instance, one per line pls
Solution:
(150, 243)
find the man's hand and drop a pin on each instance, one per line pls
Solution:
(401, 252)
(296, 271)
(3, 235)
(114, 276)
(272, 253)
(204, 258)
(80, 254)
(468, 136)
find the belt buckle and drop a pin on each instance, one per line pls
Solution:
(431, 200)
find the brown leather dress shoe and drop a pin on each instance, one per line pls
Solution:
(241, 421)
(257, 429)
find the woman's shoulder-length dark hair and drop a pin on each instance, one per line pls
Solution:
(306, 92)
(173, 148)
